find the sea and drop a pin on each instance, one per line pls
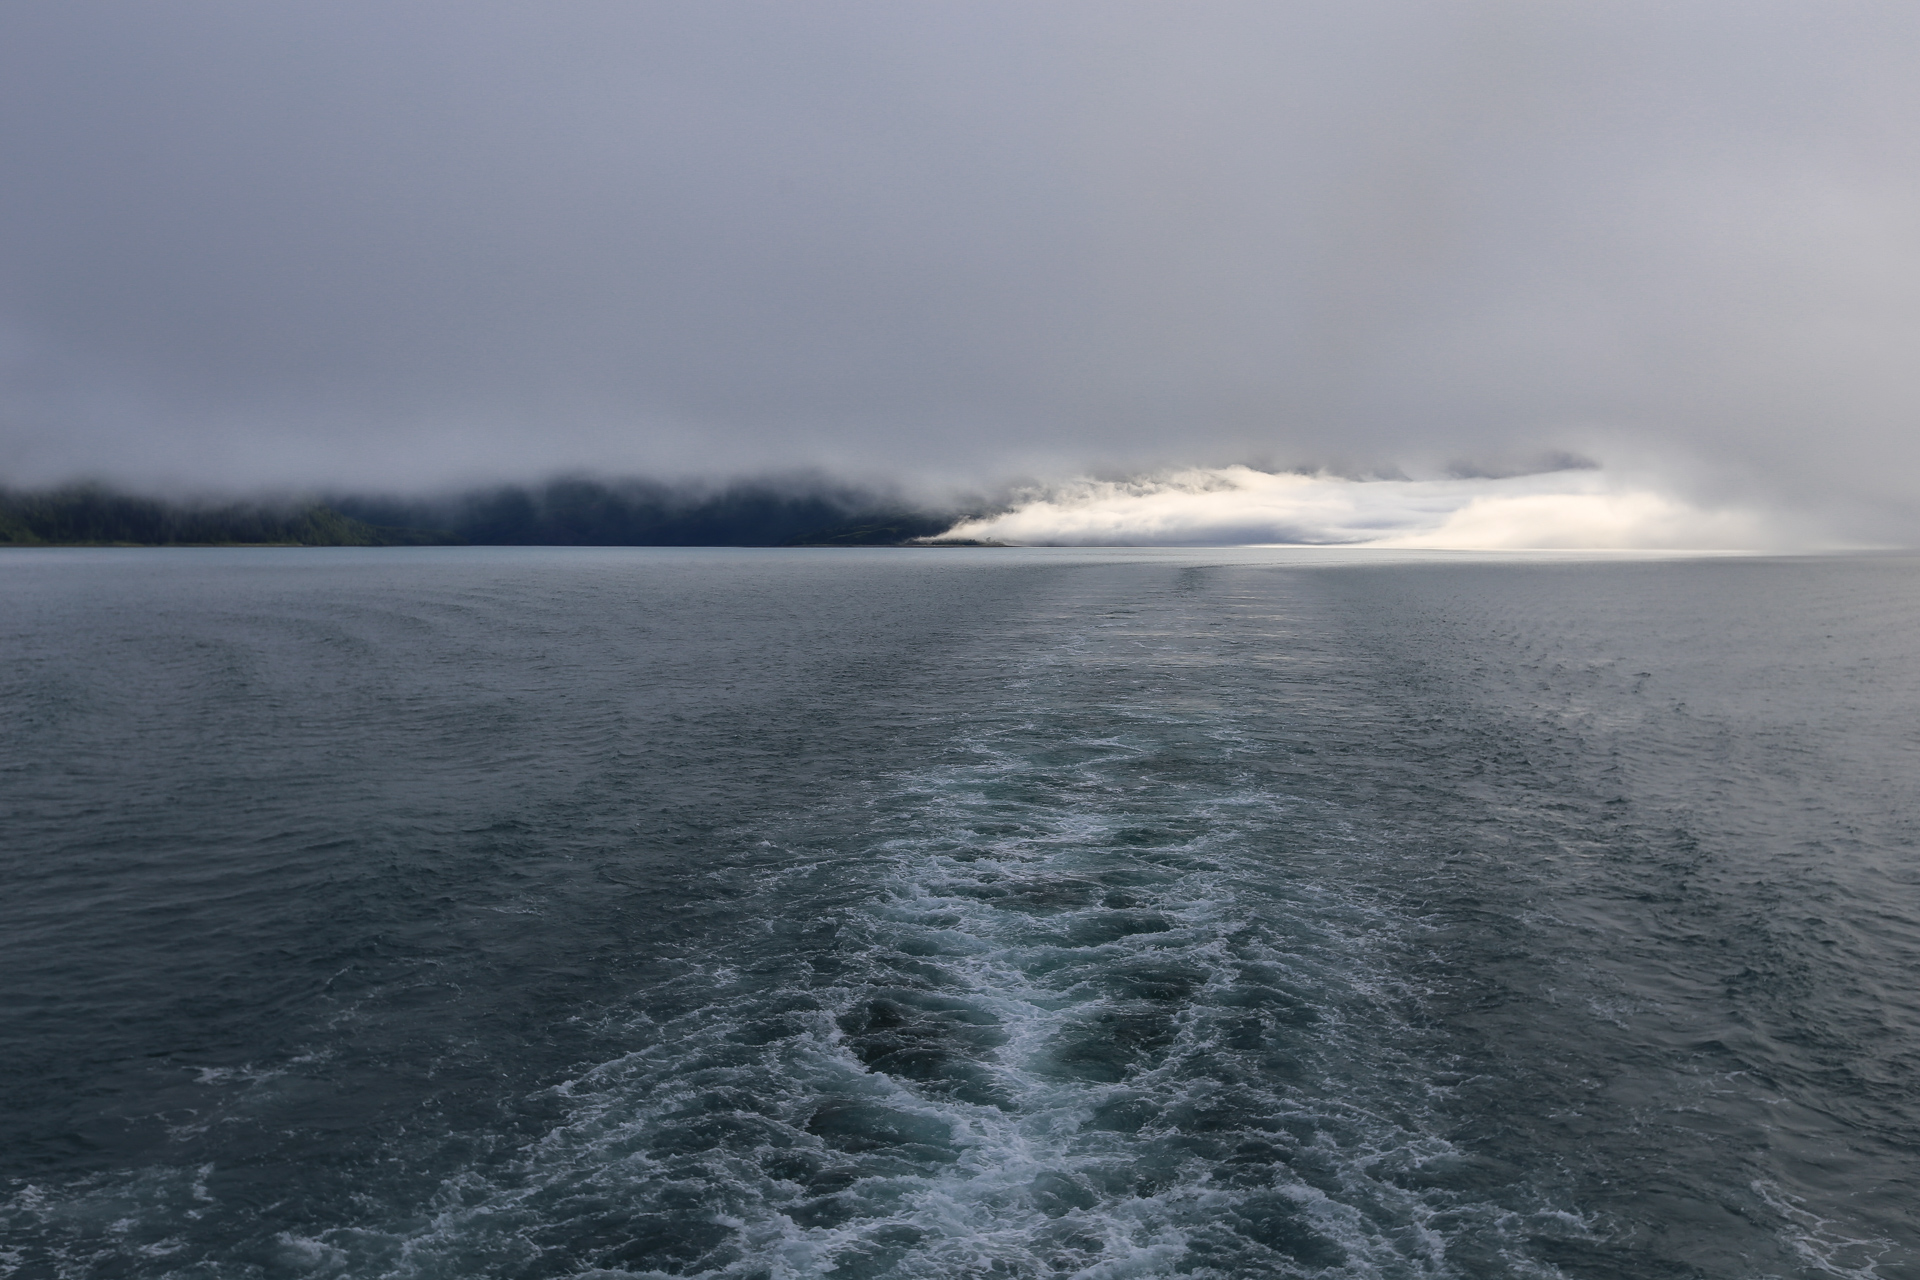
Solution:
(958, 912)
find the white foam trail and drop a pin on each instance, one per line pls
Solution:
(1570, 509)
(1057, 1002)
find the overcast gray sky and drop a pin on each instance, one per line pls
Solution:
(403, 244)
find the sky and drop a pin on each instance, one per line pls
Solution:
(1656, 253)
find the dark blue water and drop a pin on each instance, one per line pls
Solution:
(524, 913)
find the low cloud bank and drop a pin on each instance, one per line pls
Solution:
(1574, 508)
(1568, 509)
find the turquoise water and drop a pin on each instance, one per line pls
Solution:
(515, 912)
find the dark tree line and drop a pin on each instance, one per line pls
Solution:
(92, 514)
(640, 513)
(566, 512)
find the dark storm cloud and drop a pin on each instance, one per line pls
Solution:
(410, 244)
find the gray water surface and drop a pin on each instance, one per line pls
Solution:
(534, 912)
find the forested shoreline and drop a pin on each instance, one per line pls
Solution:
(564, 512)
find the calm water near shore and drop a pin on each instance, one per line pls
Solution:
(459, 912)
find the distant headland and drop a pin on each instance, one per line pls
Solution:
(561, 512)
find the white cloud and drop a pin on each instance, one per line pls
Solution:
(1239, 505)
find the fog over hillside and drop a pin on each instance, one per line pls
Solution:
(984, 251)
